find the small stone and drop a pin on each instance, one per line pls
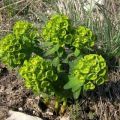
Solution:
(33, 112)
(65, 118)
(49, 112)
(20, 109)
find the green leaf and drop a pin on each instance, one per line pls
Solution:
(47, 44)
(1, 53)
(49, 73)
(52, 50)
(56, 61)
(100, 81)
(92, 76)
(60, 52)
(102, 72)
(73, 83)
(54, 77)
(68, 39)
(59, 68)
(44, 84)
(77, 94)
(76, 88)
(85, 70)
(76, 52)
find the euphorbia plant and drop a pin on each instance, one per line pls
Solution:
(86, 73)
(65, 68)
(41, 75)
(19, 45)
(57, 35)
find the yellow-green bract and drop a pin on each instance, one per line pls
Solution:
(83, 38)
(58, 30)
(86, 73)
(38, 74)
(18, 46)
(59, 33)
(24, 28)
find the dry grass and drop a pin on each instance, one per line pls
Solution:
(14, 10)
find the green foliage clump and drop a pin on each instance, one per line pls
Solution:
(86, 73)
(57, 35)
(65, 69)
(57, 30)
(39, 75)
(24, 28)
(83, 38)
(19, 45)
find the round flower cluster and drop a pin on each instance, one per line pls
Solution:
(57, 30)
(90, 70)
(38, 74)
(87, 73)
(18, 46)
(83, 38)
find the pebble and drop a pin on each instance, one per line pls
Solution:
(65, 118)
(20, 109)
(49, 112)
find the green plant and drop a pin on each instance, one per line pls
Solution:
(40, 77)
(83, 37)
(86, 73)
(60, 63)
(57, 33)
(19, 45)
(103, 20)
(63, 40)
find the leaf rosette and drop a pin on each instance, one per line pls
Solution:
(57, 35)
